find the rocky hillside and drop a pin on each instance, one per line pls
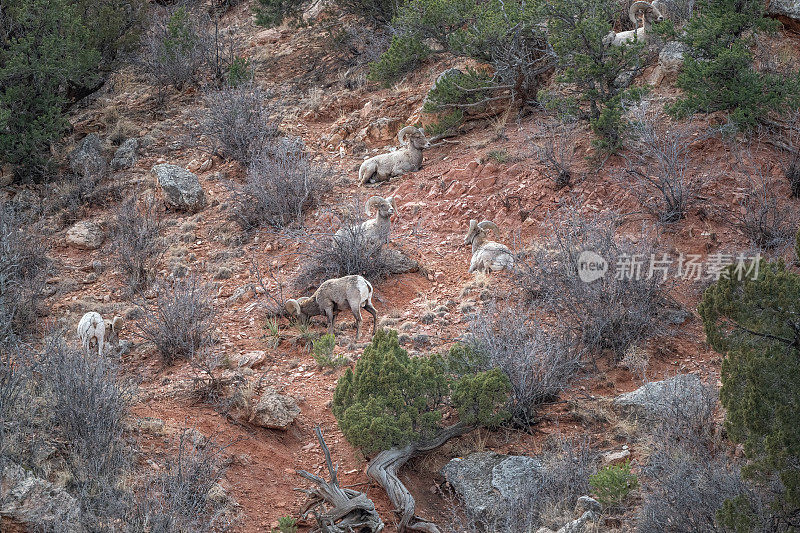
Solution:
(263, 382)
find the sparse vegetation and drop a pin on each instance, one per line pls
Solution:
(282, 183)
(136, 241)
(556, 149)
(658, 161)
(239, 122)
(763, 218)
(612, 312)
(178, 320)
(539, 363)
(322, 350)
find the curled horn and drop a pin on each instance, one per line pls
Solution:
(371, 203)
(488, 224)
(117, 324)
(473, 224)
(401, 135)
(637, 6)
(292, 307)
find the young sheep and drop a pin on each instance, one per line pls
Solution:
(649, 12)
(375, 230)
(408, 159)
(349, 292)
(93, 327)
(487, 255)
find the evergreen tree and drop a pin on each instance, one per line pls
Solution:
(755, 323)
(392, 399)
(718, 72)
(577, 29)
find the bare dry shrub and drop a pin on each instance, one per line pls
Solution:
(688, 475)
(556, 149)
(178, 498)
(791, 166)
(136, 243)
(539, 363)
(658, 156)
(238, 121)
(15, 375)
(282, 183)
(636, 360)
(175, 47)
(71, 196)
(332, 256)
(24, 267)
(178, 320)
(763, 218)
(87, 401)
(610, 313)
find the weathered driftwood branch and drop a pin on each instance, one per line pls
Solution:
(337, 510)
(383, 469)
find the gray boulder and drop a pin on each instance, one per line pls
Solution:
(488, 483)
(181, 188)
(274, 411)
(85, 235)
(37, 503)
(677, 396)
(125, 156)
(87, 158)
(788, 11)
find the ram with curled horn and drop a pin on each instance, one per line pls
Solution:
(650, 13)
(407, 159)
(334, 295)
(487, 256)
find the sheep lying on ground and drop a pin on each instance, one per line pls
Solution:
(650, 13)
(487, 255)
(375, 231)
(408, 159)
(349, 292)
(94, 329)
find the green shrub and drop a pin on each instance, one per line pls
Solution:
(271, 13)
(613, 483)
(718, 72)
(456, 92)
(239, 71)
(405, 53)
(506, 34)
(752, 320)
(322, 350)
(286, 524)
(391, 399)
(576, 30)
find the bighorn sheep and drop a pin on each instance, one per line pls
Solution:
(375, 230)
(408, 159)
(487, 255)
(353, 292)
(650, 13)
(93, 327)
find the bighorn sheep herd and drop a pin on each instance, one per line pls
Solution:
(355, 292)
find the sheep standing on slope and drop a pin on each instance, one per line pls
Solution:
(375, 231)
(92, 328)
(408, 159)
(349, 292)
(487, 255)
(649, 12)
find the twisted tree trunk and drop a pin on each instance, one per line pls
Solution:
(383, 469)
(348, 511)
